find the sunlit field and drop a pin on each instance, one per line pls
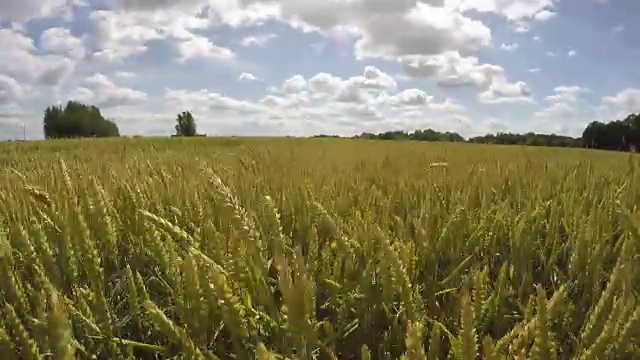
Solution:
(317, 249)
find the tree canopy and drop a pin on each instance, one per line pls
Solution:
(186, 124)
(77, 120)
(621, 135)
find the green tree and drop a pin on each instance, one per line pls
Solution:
(77, 120)
(622, 135)
(186, 125)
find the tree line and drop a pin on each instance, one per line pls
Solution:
(419, 135)
(77, 120)
(620, 135)
(530, 138)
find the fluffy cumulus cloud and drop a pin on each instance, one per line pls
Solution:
(501, 92)
(58, 40)
(247, 66)
(30, 9)
(123, 34)
(510, 9)
(258, 40)
(21, 60)
(245, 76)
(627, 100)
(107, 94)
(564, 111)
(509, 47)
(10, 89)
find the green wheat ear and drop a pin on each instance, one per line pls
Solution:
(6, 345)
(365, 353)
(468, 337)
(542, 343)
(263, 354)
(60, 331)
(413, 342)
(26, 347)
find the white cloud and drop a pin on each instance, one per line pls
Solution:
(493, 125)
(247, 77)
(374, 78)
(325, 83)
(10, 89)
(544, 15)
(121, 34)
(520, 27)
(198, 46)
(503, 92)
(509, 47)
(31, 9)
(556, 110)
(82, 94)
(152, 5)
(409, 97)
(294, 84)
(571, 53)
(125, 74)
(551, 54)
(567, 93)
(205, 101)
(409, 100)
(107, 94)
(61, 41)
(510, 9)
(534, 70)
(355, 89)
(566, 112)
(627, 100)
(380, 28)
(24, 63)
(452, 70)
(259, 40)
(56, 70)
(618, 28)
(424, 30)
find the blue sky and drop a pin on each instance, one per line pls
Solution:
(302, 67)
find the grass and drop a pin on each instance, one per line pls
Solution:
(323, 248)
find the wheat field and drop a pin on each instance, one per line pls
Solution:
(317, 249)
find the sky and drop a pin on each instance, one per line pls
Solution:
(305, 67)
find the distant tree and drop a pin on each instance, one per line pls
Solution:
(186, 125)
(419, 135)
(530, 138)
(77, 120)
(323, 136)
